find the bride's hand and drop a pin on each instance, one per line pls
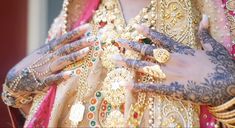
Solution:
(44, 66)
(201, 76)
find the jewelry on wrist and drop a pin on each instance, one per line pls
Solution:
(225, 113)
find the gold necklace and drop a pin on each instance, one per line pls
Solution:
(108, 26)
(65, 15)
(82, 70)
(114, 26)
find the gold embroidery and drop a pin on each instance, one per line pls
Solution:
(177, 21)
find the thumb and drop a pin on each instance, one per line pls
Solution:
(204, 24)
(203, 33)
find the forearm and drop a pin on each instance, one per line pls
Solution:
(198, 94)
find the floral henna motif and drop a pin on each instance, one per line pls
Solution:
(169, 43)
(217, 88)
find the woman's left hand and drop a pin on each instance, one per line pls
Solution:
(202, 76)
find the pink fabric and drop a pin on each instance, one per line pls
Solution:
(206, 119)
(42, 116)
(226, 39)
(90, 8)
(232, 13)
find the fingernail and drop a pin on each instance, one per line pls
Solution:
(68, 74)
(204, 18)
(116, 58)
(85, 50)
(139, 27)
(84, 27)
(121, 41)
(204, 22)
(136, 25)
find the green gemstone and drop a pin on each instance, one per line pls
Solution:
(97, 48)
(109, 107)
(146, 41)
(93, 123)
(98, 94)
(93, 60)
(92, 108)
(88, 33)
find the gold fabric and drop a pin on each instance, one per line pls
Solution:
(178, 19)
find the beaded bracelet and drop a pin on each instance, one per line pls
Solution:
(15, 99)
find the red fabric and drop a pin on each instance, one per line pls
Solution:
(42, 116)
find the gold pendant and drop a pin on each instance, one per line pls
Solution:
(113, 86)
(77, 113)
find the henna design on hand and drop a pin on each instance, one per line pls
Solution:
(165, 41)
(217, 88)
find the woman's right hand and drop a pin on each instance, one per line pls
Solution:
(44, 66)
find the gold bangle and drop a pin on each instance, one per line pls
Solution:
(230, 125)
(223, 107)
(15, 99)
(154, 71)
(225, 115)
(161, 55)
(227, 121)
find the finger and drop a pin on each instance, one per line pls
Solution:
(144, 49)
(204, 24)
(208, 42)
(174, 90)
(165, 41)
(61, 62)
(130, 63)
(140, 66)
(72, 47)
(70, 36)
(203, 30)
(57, 78)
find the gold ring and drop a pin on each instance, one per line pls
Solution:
(161, 55)
(154, 71)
